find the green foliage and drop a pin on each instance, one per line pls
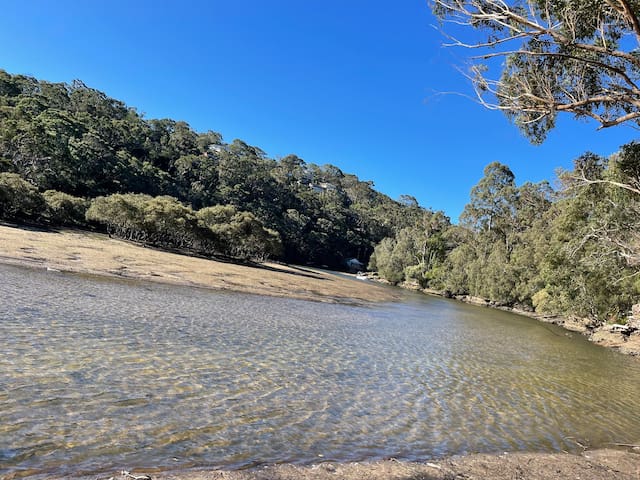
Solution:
(585, 264)
(239, 234)
(19, 200)
(165, 221)
(628, 164)
(492, 205)
(575, 251)
(122, 215)
(457, 277)
(415, 253)
(552, 56)
(159, 220)
(65, 209)
(78, 141)
(387, 262)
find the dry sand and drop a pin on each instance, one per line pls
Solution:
(92, 253)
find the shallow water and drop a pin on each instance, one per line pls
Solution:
(98, 375)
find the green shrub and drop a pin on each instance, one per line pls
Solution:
(19, 200)
(65, 209)
(159, 220)
(238, 234)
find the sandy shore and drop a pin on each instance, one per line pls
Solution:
(606, 464)
(92, 253)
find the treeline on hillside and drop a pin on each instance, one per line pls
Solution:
(574, 250)
(70, 155)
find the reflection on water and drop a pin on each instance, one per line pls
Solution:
(97, 375)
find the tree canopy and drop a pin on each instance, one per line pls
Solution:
(572, 251)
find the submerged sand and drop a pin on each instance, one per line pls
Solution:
(84, 252)
(96, 254)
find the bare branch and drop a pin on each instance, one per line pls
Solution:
(624, 186)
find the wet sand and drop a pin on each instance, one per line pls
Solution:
(606, 464)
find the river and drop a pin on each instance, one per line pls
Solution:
(98, 375)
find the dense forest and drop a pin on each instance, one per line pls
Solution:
(574, 250)
(70, 155)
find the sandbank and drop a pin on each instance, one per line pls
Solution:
(91, 253)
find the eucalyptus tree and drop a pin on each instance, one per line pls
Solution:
(167, 221)
(530, 239)
(585, 265)
(74, 142)
(121, 214)
(415, 252)
(245, 180)
(613, 213)
(484, 255)
(491, 208)
(237, 233)
(195, 179)
(65, 209)
(574, 56)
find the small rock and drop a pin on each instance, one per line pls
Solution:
(617, 328)
(631, 346)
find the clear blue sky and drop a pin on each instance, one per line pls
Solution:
(355, 83)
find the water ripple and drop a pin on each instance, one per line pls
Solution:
(97, 375)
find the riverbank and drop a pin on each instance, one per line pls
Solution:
(89, 253)
(606, 464)
(623, 338)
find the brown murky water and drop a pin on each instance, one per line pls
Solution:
(98, 375)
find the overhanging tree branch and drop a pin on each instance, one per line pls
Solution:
(560, 56)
